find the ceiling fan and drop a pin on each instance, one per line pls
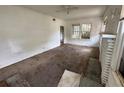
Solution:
(67, 8)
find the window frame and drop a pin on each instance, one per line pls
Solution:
(72, 31)
(80, 32)
(118, 52)
(87, 31)
(121, 78)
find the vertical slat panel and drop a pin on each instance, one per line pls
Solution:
(107, 62)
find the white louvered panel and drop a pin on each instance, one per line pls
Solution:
(110, 50)
(107, 60)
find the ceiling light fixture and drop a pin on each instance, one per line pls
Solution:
(67, 8)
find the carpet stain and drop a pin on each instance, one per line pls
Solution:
(46, 69)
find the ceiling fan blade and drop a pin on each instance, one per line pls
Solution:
(61, 10)
(74, 8)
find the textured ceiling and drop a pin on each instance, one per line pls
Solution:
(81, 11)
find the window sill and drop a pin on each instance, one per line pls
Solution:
(80, 38)
(108, 36)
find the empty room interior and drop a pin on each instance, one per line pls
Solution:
(61, 45)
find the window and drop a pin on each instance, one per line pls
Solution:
(81, 31)
(76, 31)
(120, 54)
(86, 28)
(121, 67)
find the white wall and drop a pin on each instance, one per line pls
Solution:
(95, 30)
(24, 33)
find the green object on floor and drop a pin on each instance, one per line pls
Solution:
(86, 82)
(93, 75)
(94, 70)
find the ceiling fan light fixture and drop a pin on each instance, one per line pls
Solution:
(67, 8)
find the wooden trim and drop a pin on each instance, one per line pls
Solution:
(120, 77)
(116, 78)
(122, 19)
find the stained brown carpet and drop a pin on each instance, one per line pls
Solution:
(47, 68)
